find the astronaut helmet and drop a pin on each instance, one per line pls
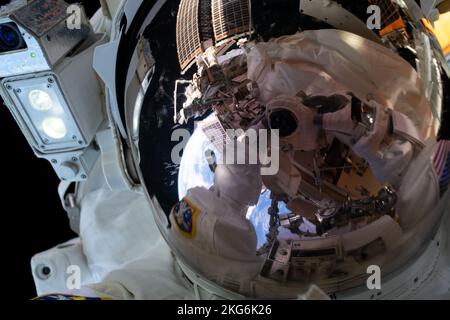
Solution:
(354, 220)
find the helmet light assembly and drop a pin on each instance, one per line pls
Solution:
(49, 85)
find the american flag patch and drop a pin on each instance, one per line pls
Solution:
(441, 163)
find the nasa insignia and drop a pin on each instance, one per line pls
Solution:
(185, 215)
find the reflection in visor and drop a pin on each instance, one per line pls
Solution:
(330, 212)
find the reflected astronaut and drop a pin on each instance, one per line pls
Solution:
(394, 151)
(362, 171)
(352, 148)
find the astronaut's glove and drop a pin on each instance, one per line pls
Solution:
(325, 104)
(340, 121)
(388, 155)
(341, 114)
(369, 145)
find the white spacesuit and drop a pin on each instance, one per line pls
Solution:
(393, 147)
(399, 157)
(210, 228)
(218, 239)
(121, 251)
(217, 228)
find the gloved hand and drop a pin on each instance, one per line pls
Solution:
(340, 121)
(325, 104)
(368, 146)
(388, 162)
(343, 121)
(336, 113)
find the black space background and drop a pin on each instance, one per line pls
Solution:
(32, 219)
